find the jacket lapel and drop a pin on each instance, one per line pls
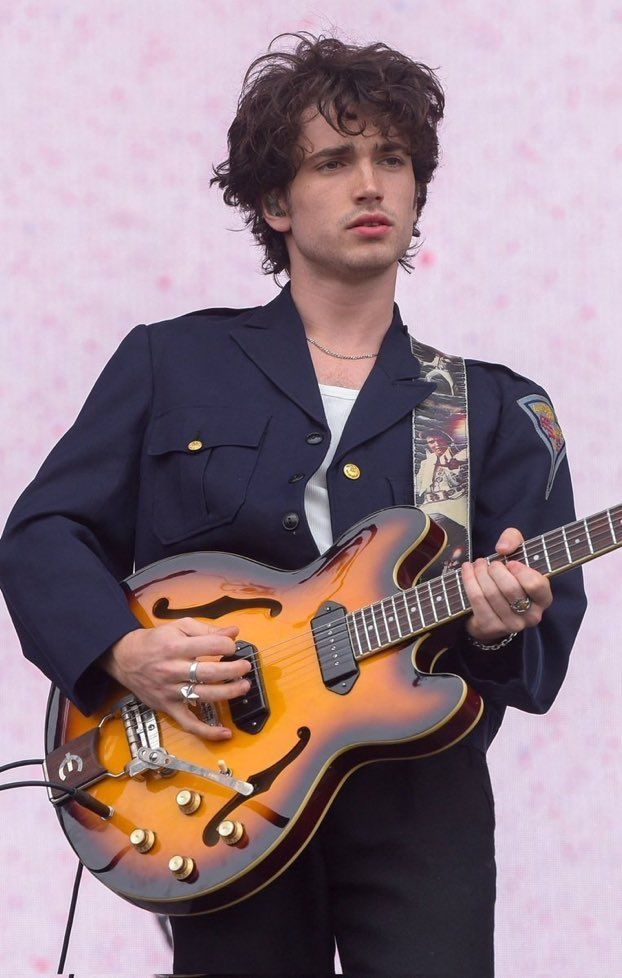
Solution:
(273, 337)
(392, 390)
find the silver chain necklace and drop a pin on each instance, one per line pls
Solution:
(342, 356)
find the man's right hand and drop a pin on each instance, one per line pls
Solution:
(154, 663)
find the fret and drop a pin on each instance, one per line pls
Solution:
(364, 632)
(613, 532)
(588, 537)
(370, 609)
(410, 624)
(546, 553)
(396, 616)
(439, 597)
(350, 620)
(427, 616)
(456, 603)
(577, 541)
(460, 591)
(432, 600)
(525, 557)
(421, 617)
(449, 611)
(566, 544)
(385, 622)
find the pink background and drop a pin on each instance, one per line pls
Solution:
(111, 116)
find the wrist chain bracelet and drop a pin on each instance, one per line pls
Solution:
(494, 646)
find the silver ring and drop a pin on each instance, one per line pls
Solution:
(194, 665)
(521, 606)
(188, 693)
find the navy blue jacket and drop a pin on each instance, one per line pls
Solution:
(121, 489)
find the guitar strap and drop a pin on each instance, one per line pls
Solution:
(440, 440)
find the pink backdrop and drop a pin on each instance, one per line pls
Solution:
(111, 116)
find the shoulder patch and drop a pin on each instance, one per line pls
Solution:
(542, 414)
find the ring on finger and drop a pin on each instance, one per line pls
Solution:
(188, 693)
(194, 665)
(521, 605)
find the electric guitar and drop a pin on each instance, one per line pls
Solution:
(343, 656)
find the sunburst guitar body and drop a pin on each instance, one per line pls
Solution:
(342, 654)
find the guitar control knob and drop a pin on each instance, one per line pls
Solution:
(188, 801)
(230, 832)
(181, 867)
(142, 839)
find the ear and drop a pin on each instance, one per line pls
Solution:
(275, 211)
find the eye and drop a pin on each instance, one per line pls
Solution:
(330, 164)
(394, 159)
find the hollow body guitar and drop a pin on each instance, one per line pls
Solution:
(342, 654)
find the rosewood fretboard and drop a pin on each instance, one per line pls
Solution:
(418, 609)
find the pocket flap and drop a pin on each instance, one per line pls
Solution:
(203, 427)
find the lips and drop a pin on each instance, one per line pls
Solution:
(371, 220)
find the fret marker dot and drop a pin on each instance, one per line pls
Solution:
(536, 556)
(577, 540)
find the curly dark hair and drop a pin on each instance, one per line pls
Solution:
(396, 93)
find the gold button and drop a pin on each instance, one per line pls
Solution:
(351, 471)
(194, 446)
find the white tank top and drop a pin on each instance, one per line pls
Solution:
(338, 402)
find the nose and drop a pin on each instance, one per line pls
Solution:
(367, 183)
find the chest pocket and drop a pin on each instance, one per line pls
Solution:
(201, 462)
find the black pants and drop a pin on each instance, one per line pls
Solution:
(401, 874)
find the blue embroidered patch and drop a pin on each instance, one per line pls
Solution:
(543, 417)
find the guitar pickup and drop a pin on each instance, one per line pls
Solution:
(334, 650)
(250, 711)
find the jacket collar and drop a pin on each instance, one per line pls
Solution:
(273, 337)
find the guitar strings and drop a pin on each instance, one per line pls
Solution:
(341, 626)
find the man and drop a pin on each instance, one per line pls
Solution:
(241, 430)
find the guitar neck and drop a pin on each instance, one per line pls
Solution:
(425, 606)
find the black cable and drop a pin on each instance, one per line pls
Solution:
(38, 784)
(78, 796)
(70, 916)
(34, 760)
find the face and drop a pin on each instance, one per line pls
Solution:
(437, 444)
(343, 179)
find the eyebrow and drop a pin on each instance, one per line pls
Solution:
(347, 149)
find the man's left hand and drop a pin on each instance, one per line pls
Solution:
(493, 588)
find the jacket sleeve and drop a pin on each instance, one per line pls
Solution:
(70, 537)
(512, 491)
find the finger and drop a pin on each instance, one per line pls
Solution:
(511, 590)
(196, 646)
(483, 613)
(500, 589)
(192, 626)
(220, 672)
(230, 630)
(216, 692)
(188, 721)
(535, 585)
(507, 583)
(509, 541)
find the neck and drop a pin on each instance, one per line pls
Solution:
(350, 316)
(426, 605)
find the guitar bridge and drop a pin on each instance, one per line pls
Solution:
(141, 727)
